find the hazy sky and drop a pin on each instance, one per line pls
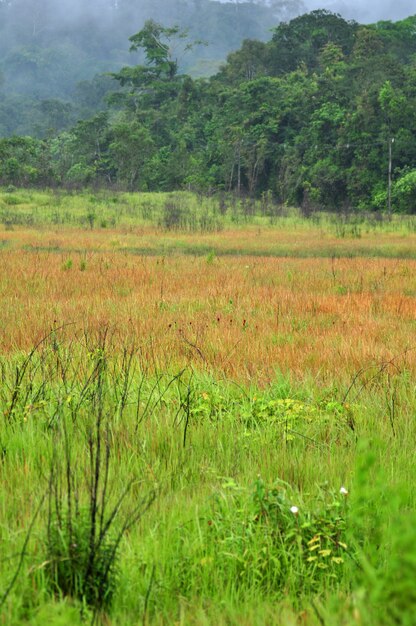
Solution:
(367, 10)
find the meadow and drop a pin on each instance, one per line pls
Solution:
(208, 412)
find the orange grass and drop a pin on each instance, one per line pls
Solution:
(243, 316)
(299, 240)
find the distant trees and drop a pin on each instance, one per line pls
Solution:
(24, 161)
(312, 128)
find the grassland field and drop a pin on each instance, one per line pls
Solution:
(186, 384)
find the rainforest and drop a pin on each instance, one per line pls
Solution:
(315, 116)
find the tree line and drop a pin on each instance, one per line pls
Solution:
(315, 116)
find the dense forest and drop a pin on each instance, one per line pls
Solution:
(313, 117)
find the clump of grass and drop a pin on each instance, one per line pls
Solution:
(67, 265)
(84, 535)
(88, 512)
(382, 531)
(210, 258)
(13, 200)
(179, 212)
(75, 568)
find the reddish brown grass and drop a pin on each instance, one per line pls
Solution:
(243, 316)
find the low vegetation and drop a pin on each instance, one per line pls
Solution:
(204, 424)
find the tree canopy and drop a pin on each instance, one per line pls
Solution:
(313, 127)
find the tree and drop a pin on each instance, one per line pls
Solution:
(81, 155)
(404, 192)
(301, 40)
(129, 152)
(24, 161)
(151, 85)
(248, 63)
(160, 46)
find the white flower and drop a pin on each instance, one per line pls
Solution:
(343, 491)
(294, 510)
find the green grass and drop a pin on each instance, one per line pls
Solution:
(220, 544)
(182, 211)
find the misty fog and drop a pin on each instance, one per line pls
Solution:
(366, 11)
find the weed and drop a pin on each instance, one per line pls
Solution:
(84, 535)
(210, 258)
(67, 265)
(91, 217)
(173, 215)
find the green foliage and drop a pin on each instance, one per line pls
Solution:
(302, 39)
(383, 529)
(292, 417)
(67, 265)
(156, 40)
(130, 150)
(179, 214)
(404, 192)
(23, 161)
(394, 594)
(52, 61)
(80, 174)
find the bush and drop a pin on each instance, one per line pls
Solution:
(80, 174)
(404, 193)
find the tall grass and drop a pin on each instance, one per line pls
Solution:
(183, 211)
(196, 427)
(309, 318)
(248, 515)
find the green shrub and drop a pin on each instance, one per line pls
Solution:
(13, 200)
(404, 193)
